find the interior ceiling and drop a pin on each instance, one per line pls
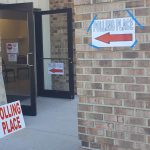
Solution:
(11, 14)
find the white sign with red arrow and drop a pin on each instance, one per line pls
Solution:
(56, 68)
(117, 32)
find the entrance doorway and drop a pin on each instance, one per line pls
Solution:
(54, 44)
(17, 48)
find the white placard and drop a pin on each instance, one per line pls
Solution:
(11, 119)
(12, 47)
(12, 57)
(56, 68)
(117, 32)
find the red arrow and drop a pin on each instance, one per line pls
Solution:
(107, 38)
(56, 70)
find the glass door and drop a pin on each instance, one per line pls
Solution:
(55, 53)
(17, 50)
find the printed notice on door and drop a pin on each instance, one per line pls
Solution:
(12, 48)
(117, 32)
(56, 68)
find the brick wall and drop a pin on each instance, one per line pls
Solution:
(59, 42)
(113, 83)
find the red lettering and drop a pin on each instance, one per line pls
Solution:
(2, 113)
(18, 122)
(19, 108)
(4, 127)
(14, 109)
(8, 110)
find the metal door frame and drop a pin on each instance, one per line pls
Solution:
(39, 52)
(27, 7)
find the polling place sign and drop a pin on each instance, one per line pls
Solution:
(118, 32)
(11, 119)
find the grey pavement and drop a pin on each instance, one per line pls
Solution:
(54, 128)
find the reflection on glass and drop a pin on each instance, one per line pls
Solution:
(14, 46)
(55, 50)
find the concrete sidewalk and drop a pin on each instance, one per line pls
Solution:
(54, 128)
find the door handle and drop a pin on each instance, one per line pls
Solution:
(28, 59)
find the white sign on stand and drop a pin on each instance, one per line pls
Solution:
(56, 68)
(11, 119)
(117, 32)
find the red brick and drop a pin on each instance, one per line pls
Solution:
(134, 87)
(123, 63)
(104, 140)
(135, 121)
(113, 118)
(123, 79)
(134, 4)
(102, 63)
(125, 144)
(142, 63)
(103, 109)
(102, 78)
(87, 40)
(86, 123)
(86, 92)
(82, 17)
(134, 103)
(84, 78)
(115, 134)
(95, 145)
(92, 70)
(100, 1)
(81, 2)
(83, 107)
(130, 54)
(148, 3)
(112, 71)
(104, 126)
(142, 12)
(133, 72)
(93, 85)
(86, 138)
(143, 80)
(124, 111)
(113, 102)
(118, 87)
(136, 137)
(145, 30)
(95, 131)
(110, 118)
(94, 100)
(105, 94)
(82, 130)
(84, 63)
(111, 55)
(103, 15)
(124, 95)
(85, 144)
(143, 96)
(142, 113)
(145, 46)
(94, 116)
(81, 115)
(119, 14)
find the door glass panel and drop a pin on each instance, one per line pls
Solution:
(55, 52)
(14, 47)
